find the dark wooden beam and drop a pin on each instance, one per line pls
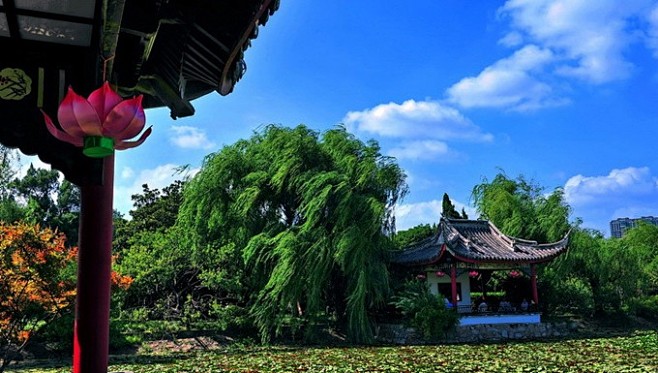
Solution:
(12, 20)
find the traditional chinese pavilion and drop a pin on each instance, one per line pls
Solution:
(462, 249)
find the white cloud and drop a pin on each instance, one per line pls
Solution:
(512, 39)
(415, 119)
(590, 36)
(156, 178)
(620, 185)
(508, 83)
(630, 192)
(188, 137)
(581, 39)
(127, 173)
(424, 149)
(409, 215)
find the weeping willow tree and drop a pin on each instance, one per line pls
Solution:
(521, 208)
(296, 224)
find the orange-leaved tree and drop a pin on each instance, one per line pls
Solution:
(33, 287)
(37, 283)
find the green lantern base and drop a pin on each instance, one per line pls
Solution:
(98, 146)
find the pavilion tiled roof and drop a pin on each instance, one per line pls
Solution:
(477, 241)
(425, 251)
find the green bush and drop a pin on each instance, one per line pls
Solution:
(647, 307)
(425, 311)
(230, 316)
(609, 299)
(58, 335)
(572, 296)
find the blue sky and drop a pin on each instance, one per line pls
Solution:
(563, 92)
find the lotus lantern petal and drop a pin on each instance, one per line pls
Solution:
(100, 123)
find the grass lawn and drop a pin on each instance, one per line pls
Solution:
(637, 352)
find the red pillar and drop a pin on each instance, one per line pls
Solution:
(533, 279)
(92, 311)
(453, 285)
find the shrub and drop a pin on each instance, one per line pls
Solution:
(425, 311)
(59, 333)
(647, 307)
(571, 295)
(230, 316)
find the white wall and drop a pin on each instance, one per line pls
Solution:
(462, 279)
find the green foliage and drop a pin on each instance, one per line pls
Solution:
(425, 311)
(520, 208)
(8, 158)
(230, 316)
(162, 274)
(571, 295)
(38, 188)
(310, 217)
(619, 274)
(449, 211)
(151, 252)
(647, 307)
(403, 239)
(157, 210)
(643, 243)
(617, 271)
(10, 210)
(59, 333)
(67, 212)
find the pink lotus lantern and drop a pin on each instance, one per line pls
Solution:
(473, 274)
(440, 273)
(514, 273)
(100, 123)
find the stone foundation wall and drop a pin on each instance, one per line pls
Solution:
(400, 334)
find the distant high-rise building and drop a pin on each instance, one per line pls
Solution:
(619, 226)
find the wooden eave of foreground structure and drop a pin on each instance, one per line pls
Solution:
(478, 242)
(171, 51)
